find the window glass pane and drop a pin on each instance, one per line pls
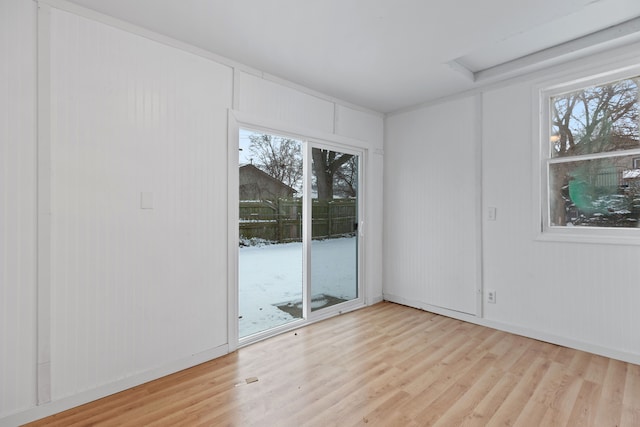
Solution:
(595, 193)
(270, 257)
(334, 244)
(596, 119)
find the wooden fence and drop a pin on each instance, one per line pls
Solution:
(281, 220)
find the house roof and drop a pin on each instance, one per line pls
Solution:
(388, 54)
(265, 175)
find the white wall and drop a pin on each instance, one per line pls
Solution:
(580, 295)
(133, 293)
(17, 206)
(133, 288)
(431, 231)
(584, 294)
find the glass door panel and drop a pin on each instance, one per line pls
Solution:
(270, 275)
(334, 234)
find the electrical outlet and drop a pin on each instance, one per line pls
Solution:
(491, 296)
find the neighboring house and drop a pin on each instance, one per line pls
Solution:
(258, 185)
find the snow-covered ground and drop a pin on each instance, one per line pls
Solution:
(272, 274)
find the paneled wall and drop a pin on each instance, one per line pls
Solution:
(271, 101)
(432, 231)
(577, 294)
(17, 206)
(134, 286)
(137, 150)
(584, 294)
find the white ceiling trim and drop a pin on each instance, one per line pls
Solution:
(608, 38)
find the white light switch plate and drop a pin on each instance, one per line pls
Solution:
(491, 214)
(146, 200)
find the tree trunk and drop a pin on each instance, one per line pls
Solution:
(324, 175)
(325, 165)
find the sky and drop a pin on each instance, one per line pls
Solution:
(244, 142)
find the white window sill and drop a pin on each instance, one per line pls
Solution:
(591, 235)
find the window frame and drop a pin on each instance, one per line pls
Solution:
(544, 231)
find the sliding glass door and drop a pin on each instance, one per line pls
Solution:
(334, 240)
(298, 228)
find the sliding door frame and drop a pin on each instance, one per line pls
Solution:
(308, 220)
(311, 139)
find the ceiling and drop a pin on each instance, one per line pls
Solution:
(387, 54)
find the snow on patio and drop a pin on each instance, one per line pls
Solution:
(271, 275)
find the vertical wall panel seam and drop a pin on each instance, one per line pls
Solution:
(43, 312)
(335, 117)
(4, 192)
(480, 207)
(235, 89)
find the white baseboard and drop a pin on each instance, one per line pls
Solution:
(519, 330)
(56, 406)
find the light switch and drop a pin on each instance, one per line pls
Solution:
(146, 200)
(491, 214)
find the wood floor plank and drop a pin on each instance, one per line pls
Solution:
(516, 357)
(610, 407)
(511, 408)
(579, 364)
(472, 393)
(385, 365)
(537, 404)
(597, 369)
(586, 404)
(488, 406)
(454, 387)
(631, 400)
(560, 399)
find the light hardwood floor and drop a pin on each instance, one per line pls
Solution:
(386, 365)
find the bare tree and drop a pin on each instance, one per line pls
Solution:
(346, 179)
(279, 157)
(335, 173)
(328, 166)
(596, 119)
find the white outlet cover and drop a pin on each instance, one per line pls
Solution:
(146, 200)
(491, 296)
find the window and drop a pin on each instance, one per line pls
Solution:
(591, 154)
